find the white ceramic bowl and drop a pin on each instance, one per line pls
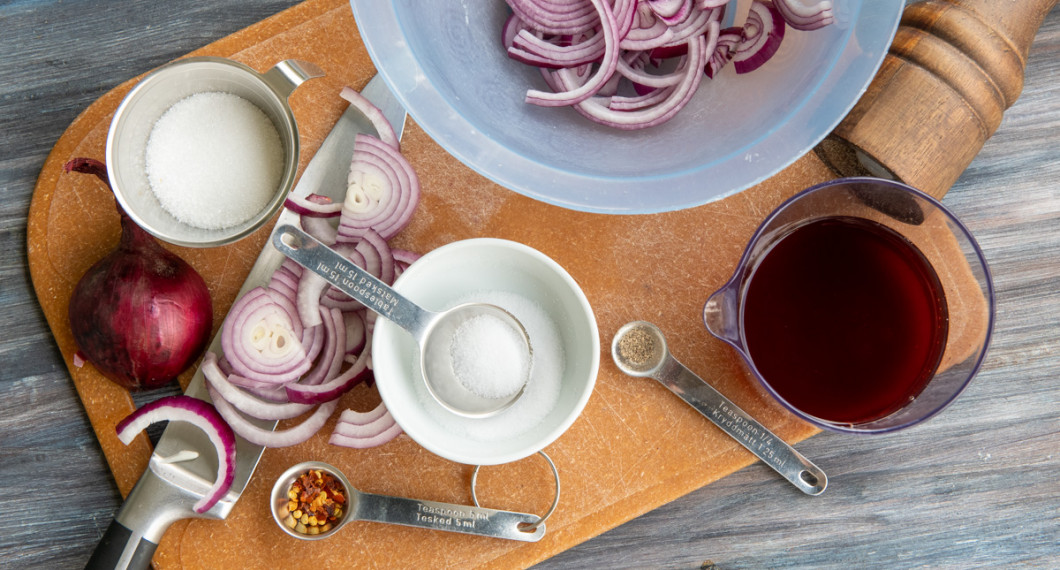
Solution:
(445, 63)
(563, 333)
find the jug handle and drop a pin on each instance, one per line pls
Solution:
(285, 76)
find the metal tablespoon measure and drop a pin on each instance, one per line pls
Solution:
(361, 506)
(430, 329)
(639, 349)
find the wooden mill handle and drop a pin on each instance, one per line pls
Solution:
(953, 69)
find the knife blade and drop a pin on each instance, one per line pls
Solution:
(174, 479)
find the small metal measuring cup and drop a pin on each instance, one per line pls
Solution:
(361, 506)
(161, 89)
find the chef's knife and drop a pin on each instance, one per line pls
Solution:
(173, 482)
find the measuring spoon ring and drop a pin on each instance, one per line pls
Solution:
(639, 349)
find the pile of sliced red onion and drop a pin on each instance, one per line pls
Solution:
(633, 64)
(293, 346)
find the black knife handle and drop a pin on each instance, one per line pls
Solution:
(112, 546)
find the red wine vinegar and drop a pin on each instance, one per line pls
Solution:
(845, 319)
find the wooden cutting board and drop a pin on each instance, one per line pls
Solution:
(635, 447)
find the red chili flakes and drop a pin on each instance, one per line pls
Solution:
(315, 502)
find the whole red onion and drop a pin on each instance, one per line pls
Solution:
(141, 315)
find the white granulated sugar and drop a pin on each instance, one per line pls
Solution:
(542, 390)
(489, 357)
(214, 160)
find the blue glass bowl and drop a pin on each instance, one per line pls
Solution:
(445, 62)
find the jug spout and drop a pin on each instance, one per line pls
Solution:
(721, 312)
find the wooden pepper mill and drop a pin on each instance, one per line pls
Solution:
(953, 69)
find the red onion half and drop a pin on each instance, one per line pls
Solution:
(200, 414)
(141, 315)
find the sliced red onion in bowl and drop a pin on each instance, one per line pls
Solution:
(200, 414)
(596, 81)
(664, 110)
(555, 17)
(763, 33)
(609, 60)
(806, 17)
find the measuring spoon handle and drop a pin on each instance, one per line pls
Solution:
(449, 517)
(772, 450)
(351, 279)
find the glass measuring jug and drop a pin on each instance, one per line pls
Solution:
(860, 304)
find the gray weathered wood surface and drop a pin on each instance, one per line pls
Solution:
(976, 486)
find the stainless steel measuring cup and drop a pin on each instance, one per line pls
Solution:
(161, 89)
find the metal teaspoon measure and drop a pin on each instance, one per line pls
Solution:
(639, 349)
(361, 506)
(430, 329)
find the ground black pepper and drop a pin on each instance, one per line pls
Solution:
(639, 349)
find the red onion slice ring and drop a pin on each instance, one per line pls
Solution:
(245, 402)
(763, 33)
(261, 339)
(375, 116)
(603, 73)
(200, 414)
(361, 430)
(803, 17)
(383, 191)
(533, 50)
(555, 17)
(332, 356)
(314, 205)
(335, 387)
(272, 438)
(662, 112)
